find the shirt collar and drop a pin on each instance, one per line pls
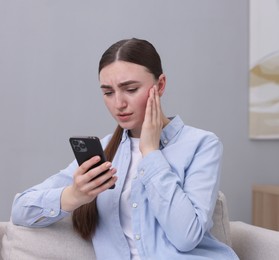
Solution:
(171, 130)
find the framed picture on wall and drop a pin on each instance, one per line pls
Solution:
(264, 70)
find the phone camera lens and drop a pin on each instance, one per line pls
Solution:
(75, 142)
(77, 148)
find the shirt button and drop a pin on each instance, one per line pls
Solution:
(142, 172)
(165, 141)
(135, 176)
(137, 237)
(134, 205)
(52, 212)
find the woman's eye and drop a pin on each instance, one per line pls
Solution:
(131, 90)
(107, 93)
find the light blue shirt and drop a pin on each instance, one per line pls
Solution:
(172, 199)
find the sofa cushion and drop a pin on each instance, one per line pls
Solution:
(221, 224)
(58, 241)
(252, 242)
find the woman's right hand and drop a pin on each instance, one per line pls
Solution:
(87, 184)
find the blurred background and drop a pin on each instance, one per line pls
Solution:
(49, 89)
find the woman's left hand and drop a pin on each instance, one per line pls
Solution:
(152, 124)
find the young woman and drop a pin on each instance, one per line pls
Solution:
(166, 174)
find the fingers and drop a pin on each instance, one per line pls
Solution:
(152, 124)
(93, 173)
(153, 105)
(88, 164)
(158, 106)
(100, 182)
(87, 178)
(104, 186)
(148, 109)
(153, 108)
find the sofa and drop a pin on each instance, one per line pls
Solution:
(59, 241)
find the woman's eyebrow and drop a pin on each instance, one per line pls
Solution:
(128, 82)
(105, 86)
(122, 84)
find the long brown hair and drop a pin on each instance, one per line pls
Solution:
(141, 52)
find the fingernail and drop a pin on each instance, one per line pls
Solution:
(108, 165)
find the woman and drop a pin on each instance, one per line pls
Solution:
(166, 174)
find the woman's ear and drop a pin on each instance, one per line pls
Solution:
(161, 84)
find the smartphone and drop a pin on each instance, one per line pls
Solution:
(85, 147)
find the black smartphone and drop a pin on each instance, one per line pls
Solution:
(85, 147)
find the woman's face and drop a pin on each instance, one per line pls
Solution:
(126, 88)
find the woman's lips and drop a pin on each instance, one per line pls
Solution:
(124, 117)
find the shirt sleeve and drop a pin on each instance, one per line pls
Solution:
(183, 202)
(40, 205)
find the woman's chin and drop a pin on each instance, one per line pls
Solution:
(134, 131)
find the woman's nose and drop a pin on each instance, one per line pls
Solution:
(120, 102)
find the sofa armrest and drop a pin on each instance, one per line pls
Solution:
(2, 232)
(55, 242)
(2, 229)
(254, 243)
